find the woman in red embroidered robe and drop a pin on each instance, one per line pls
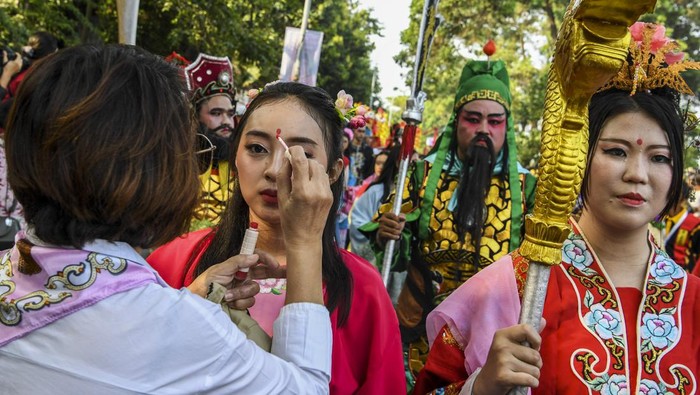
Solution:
(621, 316)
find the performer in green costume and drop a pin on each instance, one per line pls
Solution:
(469, 194)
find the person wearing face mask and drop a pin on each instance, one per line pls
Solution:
(467, 201)
(212, 94)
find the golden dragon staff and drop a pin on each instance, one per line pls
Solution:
(591, 47)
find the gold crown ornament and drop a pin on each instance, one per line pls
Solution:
(653, 62)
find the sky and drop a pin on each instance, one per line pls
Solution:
(393, 16)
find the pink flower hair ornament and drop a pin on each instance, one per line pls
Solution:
(654, 61)
(352, 114)
(657, 40)
(253, 93)
(343, 103)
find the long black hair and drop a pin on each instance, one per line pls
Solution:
(389, 171)
(227, 237)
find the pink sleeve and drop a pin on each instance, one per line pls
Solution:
(477, 309)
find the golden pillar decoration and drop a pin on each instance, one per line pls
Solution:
(592, 46)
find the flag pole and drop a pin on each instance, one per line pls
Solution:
(302, 37)
(413, 116)
(128, 15)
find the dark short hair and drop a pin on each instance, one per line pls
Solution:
(660, 105)
(100, 145)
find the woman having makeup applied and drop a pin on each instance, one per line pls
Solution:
(367, 356)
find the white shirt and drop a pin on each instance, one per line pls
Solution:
(159, 340)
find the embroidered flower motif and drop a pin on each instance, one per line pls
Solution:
(648, 387)
(576, 253)
(344, 102)
(273, 286)
(659, 329)
(664, 271)
(605, 322)
(616, 385)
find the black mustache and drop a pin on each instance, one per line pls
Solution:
(221, 127)
(474, 148)
(482, 138)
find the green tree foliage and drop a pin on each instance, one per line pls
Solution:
(682, 21)
(345, 55)
(251, 33)
(525, 32)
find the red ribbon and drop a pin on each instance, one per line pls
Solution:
(408, 140)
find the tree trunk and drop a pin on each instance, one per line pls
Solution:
(553, 28)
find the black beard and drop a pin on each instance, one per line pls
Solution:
(223, 145)
(473, 188)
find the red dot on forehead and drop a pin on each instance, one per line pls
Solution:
(640, 141)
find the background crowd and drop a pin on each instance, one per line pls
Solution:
(98, 239)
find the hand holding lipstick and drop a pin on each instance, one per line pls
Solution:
(239, 294)
(248, 247)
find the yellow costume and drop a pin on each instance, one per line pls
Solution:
(216, 191)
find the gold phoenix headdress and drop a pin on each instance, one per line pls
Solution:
(653, 62)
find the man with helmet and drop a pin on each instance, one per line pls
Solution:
(212, 94)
